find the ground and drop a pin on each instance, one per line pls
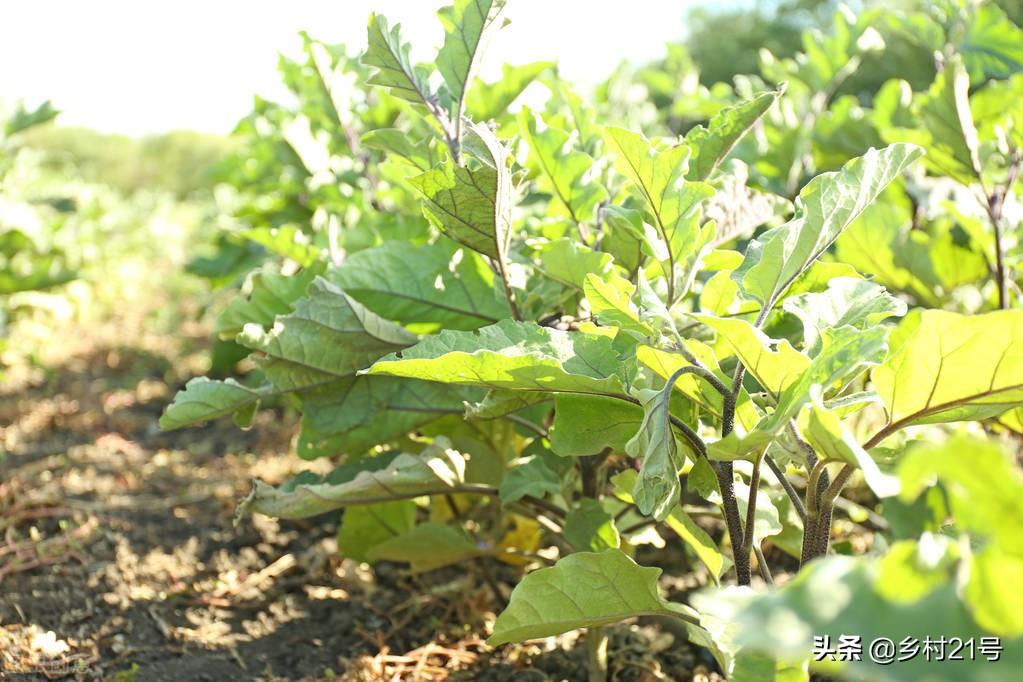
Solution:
(120, 559)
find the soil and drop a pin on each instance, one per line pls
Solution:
(120, 560)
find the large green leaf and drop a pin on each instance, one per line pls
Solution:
(329, 335)
(610, 299)
(204, 399)
(951, 367)
(582, 590)
(443, 288)
(826, 206)
(775, 364)
(847, 302)
(394, 69)
(992, 45)
(590, 528)
(512, 355)
(270, 294)
(436, 469)
(657, 487)
(366, 526)
(465, 25)
(710, 145)
(586, 424)
(472, 205)
(567, 261)
(568, 172)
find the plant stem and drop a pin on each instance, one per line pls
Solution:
(751, 507)
(509, 295)
(793, 494)
(596, 654)
(765, 570)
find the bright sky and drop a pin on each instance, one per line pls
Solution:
(138, 67)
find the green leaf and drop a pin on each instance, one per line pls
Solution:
(364, 527)
(485, 101)
(952, 367)
(657, 178)
(472, 206)
(204, 399)
(443, 288)
(436, 469)
(699, 541)
(394, 70)
(512, 355)
(328, 336)
(993, 45)
(826, 206)
(849, 302)
(775, 364)
(568, 172)
(269, 294)
(992, 593)
(832, 441)
(582, 590)
(766, 521)
(983, 487)
(589, 528)
(586, 424)
(711, 145)
(536, 475)
(840, 595)
(351, 415)
(465, 23)
(610, 299)
(569, 262)
(428, 546)
(398, 143)
(657, 488)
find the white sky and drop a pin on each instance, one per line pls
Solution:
(142, 66)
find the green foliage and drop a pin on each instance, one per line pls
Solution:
(486, 315)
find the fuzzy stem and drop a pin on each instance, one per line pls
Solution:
(596, 654)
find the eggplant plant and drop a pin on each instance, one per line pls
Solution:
(565, 337)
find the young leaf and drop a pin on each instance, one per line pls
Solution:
(472, 206)
(657, 178)
(394, 70)
(710, 145)
(568, 171)
(775, 364)
(536, 475)
(610, 299)
(567, 261)
(952, 367)
(699, 541)
(437, 469)
(657, 488)
(826, 206)
(465, 23)
(582, 590)
(847, 302)
(519, 356)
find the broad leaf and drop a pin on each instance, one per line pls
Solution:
(204, 399)
(826, 206)
(586, 424)
(394, 70)
(485, 101)
(582, 590)
(952, 367)
(711, 145)
(472, 205)
(428, 546)
(699, 541)
(536, 475)
(568, 172)
(437, 469)
(328, 336)
(512, 355)
(270, 294)
(366, 526)
(610, 299)
(847, 302)
(444, 288)
(569, 262)
(774, 364)
(465, 24)
(589, 528)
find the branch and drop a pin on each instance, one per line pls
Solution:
(787, 485)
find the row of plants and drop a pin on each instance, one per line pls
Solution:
(551, 336)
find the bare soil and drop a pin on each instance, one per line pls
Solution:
(119, 558)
